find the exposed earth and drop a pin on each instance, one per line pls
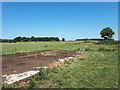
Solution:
(22, 62)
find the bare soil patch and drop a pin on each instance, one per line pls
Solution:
(22, 62)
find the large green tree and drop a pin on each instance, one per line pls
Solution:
(107, 33)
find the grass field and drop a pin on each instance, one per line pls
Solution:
(98, 67)
(8, 48)
(96, 70)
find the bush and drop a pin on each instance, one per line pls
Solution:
(87, 49)
(101, 49)
(104, 49)
(108, 42)
(78, 49)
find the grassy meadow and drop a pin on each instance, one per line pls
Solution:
(8, 48)
(96, 68)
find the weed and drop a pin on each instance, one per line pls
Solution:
(60, 83)
(17, 82)
(42, 74)
(14, 85)
(101, 49)
(78, 49)
(71, 60)
(87, 49)
(55, 71)
(31, 84)
(67, 62)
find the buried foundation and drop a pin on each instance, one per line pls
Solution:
(19, 66)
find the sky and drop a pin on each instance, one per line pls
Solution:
(69, 20)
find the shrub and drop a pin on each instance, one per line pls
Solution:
(31, 84)
(78, 49)
(101, 49)
(87, 49)
(107, 42)
(104, 49)
(42, 74)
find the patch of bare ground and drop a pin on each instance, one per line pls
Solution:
(26, 61)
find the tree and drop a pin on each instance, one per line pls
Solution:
(63, 39)
(32, 38)
(17, 39)
(24, 39)
(107, 33)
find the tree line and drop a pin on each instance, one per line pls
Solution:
(106, 33)
(27, 39)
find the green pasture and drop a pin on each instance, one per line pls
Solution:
(95, 70)
(98, 67)
(8, 48)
